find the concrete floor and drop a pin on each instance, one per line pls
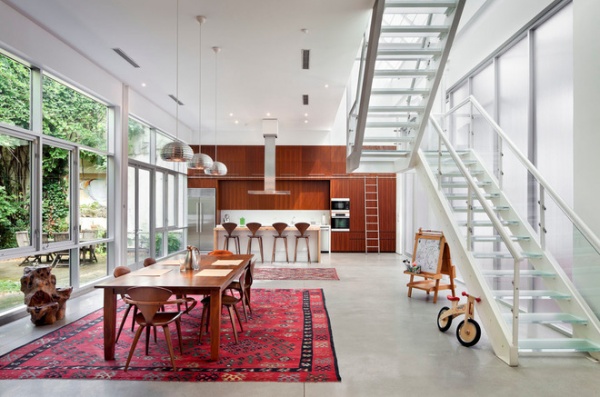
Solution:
(386, 343)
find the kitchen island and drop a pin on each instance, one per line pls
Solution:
(268, 232)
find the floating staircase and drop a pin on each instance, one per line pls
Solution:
(495, 248)
(407, 48)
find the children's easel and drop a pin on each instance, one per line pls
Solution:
(432, 254)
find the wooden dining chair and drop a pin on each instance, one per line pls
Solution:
(220, 253)
(149, 300)
(242, 287)
(118, 272)
(230, 303)
(149, 262)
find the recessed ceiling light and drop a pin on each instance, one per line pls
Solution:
(143, 84)
(237, 122)
(230, 114)
(326, 85)
(305, 114)
(305, 121)
(268, 114)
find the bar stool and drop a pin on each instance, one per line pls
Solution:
(302, 226)
(230, 228)
(279, 228)
(253, 227)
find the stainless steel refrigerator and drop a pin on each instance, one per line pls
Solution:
(201, 218)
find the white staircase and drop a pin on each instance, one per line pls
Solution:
(529, 303)
(406, 53)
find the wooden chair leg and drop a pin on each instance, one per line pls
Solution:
(123, 322)
(307, 250)
(286, 250)
(170, 345)
(135, 341)
(235, 335)
(178, 326)
(296, 250)
(260, 244)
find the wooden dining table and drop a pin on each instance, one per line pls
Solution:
(213, 277)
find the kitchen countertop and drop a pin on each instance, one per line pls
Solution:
(269, 227)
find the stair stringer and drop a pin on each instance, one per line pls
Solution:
(496, 328)
(576, 305)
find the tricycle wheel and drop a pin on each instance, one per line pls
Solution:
(444, 323)
(468, 333)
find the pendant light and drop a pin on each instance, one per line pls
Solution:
(217, 168)
(176, 151)
(200, 161)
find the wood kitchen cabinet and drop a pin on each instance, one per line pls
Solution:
(288, 161)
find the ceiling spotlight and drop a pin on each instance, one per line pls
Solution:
(143, 84)
(305, 121)
(326, 85)
(230, 114)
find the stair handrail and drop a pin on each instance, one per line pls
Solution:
(497, 224)
(587, 233)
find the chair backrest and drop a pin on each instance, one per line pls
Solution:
(229, 227)
(250, 275)
(121, 271)
(279, 227)
(302, 226)
(22, 239)
(253, 227)
(149, 261)
(148, 300)
(220, 253)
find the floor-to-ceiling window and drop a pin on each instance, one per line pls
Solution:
(55, 164)
(156, 197)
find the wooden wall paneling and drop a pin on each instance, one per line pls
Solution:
(387, 204)
(234, 157)
(338, 160)
(316, 161)
(340, 188)
(288, 161)
(356, 194)
(202, 182)
(304, 195)
(255, 161)
(340, 241)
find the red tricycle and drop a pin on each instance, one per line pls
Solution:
(468, 331)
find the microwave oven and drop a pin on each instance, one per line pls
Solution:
(340, 221)
(340, 204)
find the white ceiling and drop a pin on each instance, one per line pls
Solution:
(259, 66)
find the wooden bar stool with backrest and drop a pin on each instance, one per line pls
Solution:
(253, 227)
(302, 226)
(229, 229)
(280, 228)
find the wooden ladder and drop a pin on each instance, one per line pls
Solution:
(372, 215)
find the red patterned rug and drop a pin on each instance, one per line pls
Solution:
(295, 273)
(287, 339)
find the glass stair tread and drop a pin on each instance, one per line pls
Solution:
(489, 239)
(457, 173)
(415, 30)
(413, 52)
(531, 294)
(391, 124)
(546, 318)
(418, 7)
(489, 223)
(564, 344)
(505, 255)
(522, 273)
(399, 91)
(464, 196)
(404, 73)
(465, 184)
(391, 140)
(396, 109)
(479, 209)
(383, 154)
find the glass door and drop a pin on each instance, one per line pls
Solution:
(139, 217)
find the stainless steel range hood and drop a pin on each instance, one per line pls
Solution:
(270, 131)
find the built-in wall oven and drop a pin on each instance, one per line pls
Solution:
(340, 221)
(340, 204)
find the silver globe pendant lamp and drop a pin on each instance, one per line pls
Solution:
(218, 168)
(200, 161)
(177, 151)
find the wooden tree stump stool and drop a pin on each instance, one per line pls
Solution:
(45, 303)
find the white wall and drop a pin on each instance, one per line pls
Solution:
(489, 28)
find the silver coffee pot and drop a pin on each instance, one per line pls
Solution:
(192, 259)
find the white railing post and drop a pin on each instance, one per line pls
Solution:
(515, 307)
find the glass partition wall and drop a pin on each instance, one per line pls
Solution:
(55, 166)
